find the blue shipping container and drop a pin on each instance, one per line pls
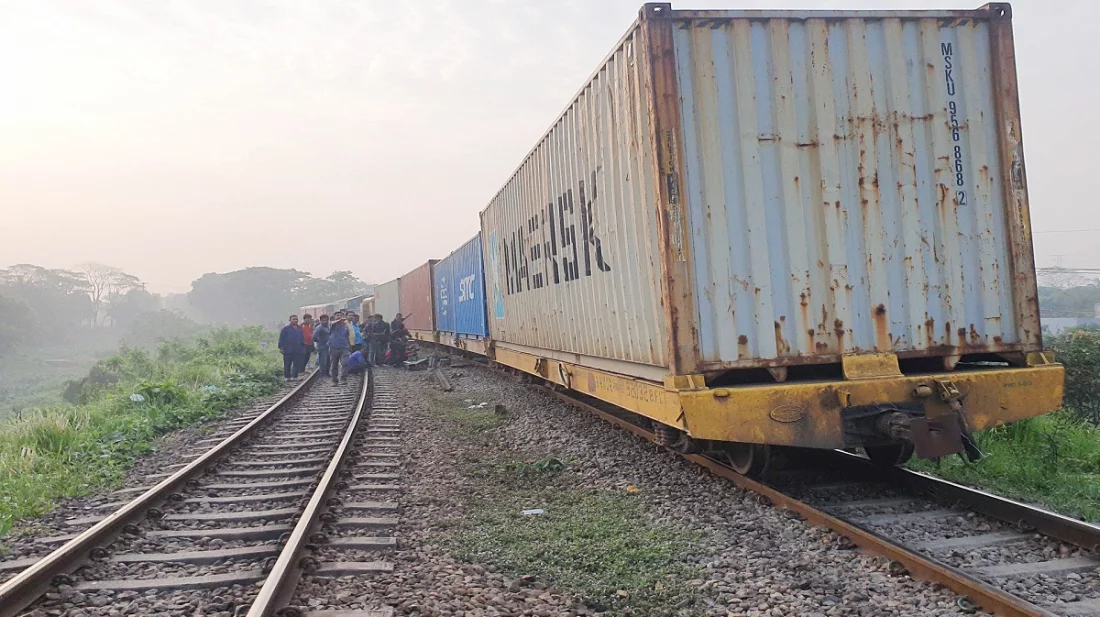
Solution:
(441, 280)
(460, 302)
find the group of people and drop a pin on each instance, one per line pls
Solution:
(340, 343)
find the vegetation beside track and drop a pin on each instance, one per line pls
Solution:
(1051, 460)
(596, 545)
(117, 411)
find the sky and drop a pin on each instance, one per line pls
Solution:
(173, 138)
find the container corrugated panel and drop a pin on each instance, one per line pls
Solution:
(571, 240)
(387, 299)
(468, 290)
(416, 298)
(441, 283)
(843, 184)
(830, 183)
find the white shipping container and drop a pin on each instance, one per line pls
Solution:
(761, 189)
(387, 299)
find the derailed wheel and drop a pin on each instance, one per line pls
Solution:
(890, 455)
(747, 459)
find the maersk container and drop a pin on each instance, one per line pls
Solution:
(416, 298)
(744, 189)
(387, 299)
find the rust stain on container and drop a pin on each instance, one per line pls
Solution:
(780, 343)
(882, 329)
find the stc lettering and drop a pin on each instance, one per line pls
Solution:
(466, 289)
(557, 245)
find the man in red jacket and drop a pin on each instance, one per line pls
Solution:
(307, 338)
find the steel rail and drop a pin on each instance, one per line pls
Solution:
(919, 566)
(281, 582)
(27, 586)
(1023, 516)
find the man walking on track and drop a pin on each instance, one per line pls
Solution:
(320, 339)
(292, 346)
(339, 348)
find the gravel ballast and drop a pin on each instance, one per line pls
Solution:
(748, 559)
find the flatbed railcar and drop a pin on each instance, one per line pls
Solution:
(783, 228)
(763, 229)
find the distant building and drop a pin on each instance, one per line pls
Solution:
(1058, 325)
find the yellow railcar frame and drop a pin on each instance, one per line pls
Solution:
(809, 413)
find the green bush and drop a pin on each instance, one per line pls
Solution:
(119, 408)
(1079, 351)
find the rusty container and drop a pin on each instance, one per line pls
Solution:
(763, 189)
(387, 299)
(417, 304)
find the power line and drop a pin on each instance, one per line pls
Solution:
(1064, 231)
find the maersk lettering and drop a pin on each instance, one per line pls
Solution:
(547, 249)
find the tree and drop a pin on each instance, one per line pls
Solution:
(261, 296)
(122, 309)
(57, 297)
(150, 328)
(343, 284)
(253, 296)
(18, 325)
(105, 282)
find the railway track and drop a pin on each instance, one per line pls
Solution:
(305, 488)
(999, 555)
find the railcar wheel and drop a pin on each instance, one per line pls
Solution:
(890, 455)
(748, 459)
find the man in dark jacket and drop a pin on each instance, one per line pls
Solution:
(320, 339)
(339, 349)
(378, 334)
(293, 346)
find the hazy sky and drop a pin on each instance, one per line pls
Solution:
(174, 138)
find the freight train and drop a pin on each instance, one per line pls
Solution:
(761, 229)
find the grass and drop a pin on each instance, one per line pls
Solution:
(463, 413)
(596, 545)
(68, 450)
(1051, 460)
(27, 381)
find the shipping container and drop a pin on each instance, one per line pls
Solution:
(353, 303)
(387, 299)
(747, 189)
(442, 273)
(416, 298)
(366, 307)
(460, 292)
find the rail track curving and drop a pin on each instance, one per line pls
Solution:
(305, 487)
